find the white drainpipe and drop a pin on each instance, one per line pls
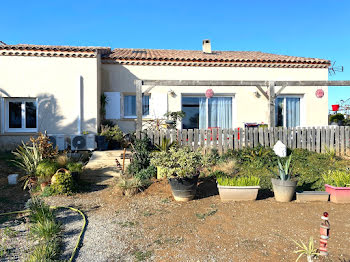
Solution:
(79, 104)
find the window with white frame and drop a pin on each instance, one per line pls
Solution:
(287, 111)
(201, 112)
(21, 115)
(130, 105)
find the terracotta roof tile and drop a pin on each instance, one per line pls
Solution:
(167, 57)
(216, 58)
(52, 50)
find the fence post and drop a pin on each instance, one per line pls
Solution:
(232, 139)
(255, 136)
(190, 138)
(337, 140)
(318, 140)
(347, 142)
(225, 140)
(308, 138)
(214, 136)
(342, 140)
(184, 137)
(272, 136)
(261, 136)
(266, 137)
(195, 139)
(240, 131)
(202, 137)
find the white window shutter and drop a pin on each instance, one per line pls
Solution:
(113, 105)
(159, 105)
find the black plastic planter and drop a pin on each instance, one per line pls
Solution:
(184, 189)
(102, 143)
(76, 176)
(113, 145)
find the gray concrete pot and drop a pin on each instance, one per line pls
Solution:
(283, 190)
(238, 193)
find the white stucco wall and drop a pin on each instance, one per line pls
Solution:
(248, 108)
(55, 82)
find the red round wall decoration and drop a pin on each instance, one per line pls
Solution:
(209, 93)
(319, 93)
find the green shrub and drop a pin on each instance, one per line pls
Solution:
(112, 133)
(256, 157)
(211, 158)
(39, 211)
(178, 162)
(47, 252)
(238, 181)
(45, 230)
(64, 184)
(217, 173)
(337, 178)
(308, 167)
(146, 174)
(141, 149)
(336, 118)
(46, 168)
(75, 167)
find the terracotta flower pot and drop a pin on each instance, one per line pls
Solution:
(283, 189)
(44, 185)
(238, 193)
(338, 194)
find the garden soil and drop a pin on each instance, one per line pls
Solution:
(151, 226)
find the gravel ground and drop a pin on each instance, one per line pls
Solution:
(14, 238)
(152, 227)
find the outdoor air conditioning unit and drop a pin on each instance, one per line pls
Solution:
(58, 140)
(82, 142)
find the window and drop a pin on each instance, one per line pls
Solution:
(130, 105)
(202, 113)
(21, 115)
(287, 111)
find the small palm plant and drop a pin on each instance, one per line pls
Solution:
(27, 159)
(306, 250)
(165, 145)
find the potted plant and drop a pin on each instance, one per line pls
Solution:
(101, 140)
(173, 117)
(75, 168)
(238, 188)
(130, 185)
(44, 171)
(163, 147)
(181, 167)
(336, 119)
(283, 186)
(337, 183)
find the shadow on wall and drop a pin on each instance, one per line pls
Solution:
(51, 120)
(117, 78)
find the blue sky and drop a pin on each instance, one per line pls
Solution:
(311, 28)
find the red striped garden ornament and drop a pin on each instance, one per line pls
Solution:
(324, 232)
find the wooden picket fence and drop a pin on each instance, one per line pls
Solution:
(317, 139)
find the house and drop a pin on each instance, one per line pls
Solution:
(58, 88)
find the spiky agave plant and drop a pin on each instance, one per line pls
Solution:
(284, 171)
(165, 145)
(306, 250)
(27, 159)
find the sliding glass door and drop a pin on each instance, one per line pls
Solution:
(287, 110)
(202, 113)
